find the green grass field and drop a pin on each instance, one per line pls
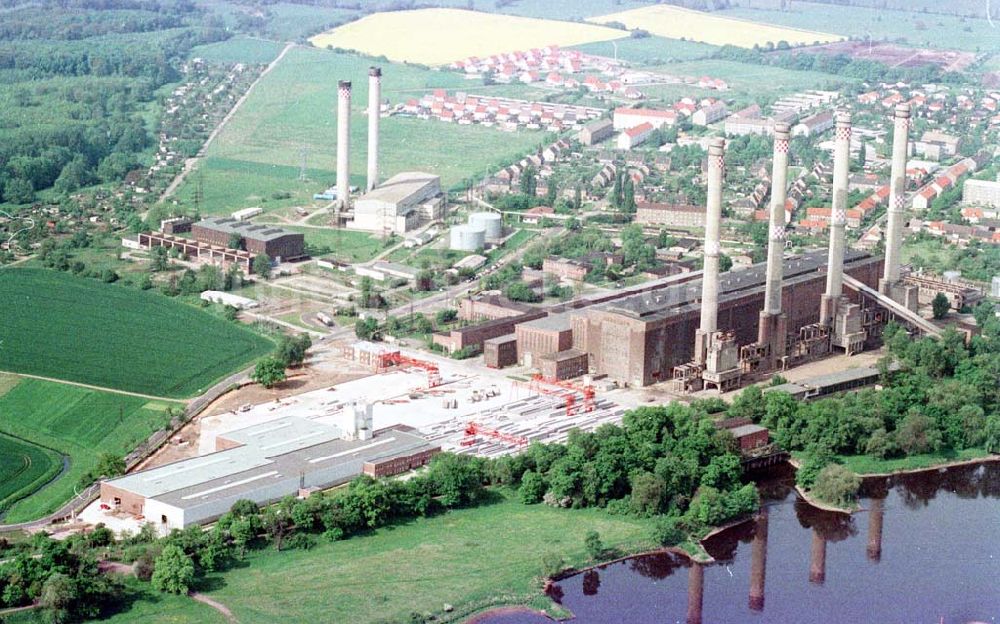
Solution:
(649, 50)
(24, 468)
(464, 557)
(239, 50)
(863, 464)
(757, 80)
(939, 31)
(56, 325)
(293, 108)
(77, 422)
(345, 245)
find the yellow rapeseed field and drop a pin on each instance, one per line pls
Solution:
(441, 36)
(676, 23)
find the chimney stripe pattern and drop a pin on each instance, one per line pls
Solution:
(841, 166)
(343, 144)
(897, 181)
(776, 228)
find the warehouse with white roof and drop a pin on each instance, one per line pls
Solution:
(265, 463)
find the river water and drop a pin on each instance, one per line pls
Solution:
(925, 548)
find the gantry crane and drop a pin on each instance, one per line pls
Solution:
(564, 390)
(473, 429)
(395, 358)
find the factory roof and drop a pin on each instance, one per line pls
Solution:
(245, 229)
(552, 322)
(401, 186)
(511, 337)
(745, 430)
(650, 306)
(562, 356)
(277, 450)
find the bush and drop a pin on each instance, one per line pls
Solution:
(532, 488)
(836, 484)
(144, 567)
(552, 564)
(592, 541)
(667, 531)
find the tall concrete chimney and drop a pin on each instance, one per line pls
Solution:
(897, 199)
(710, 277)
(771, 328)
(776, 229)
(374, 111)
(343, 145)
(838, 219)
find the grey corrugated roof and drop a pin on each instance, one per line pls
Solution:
(400, 187)
(245, 229)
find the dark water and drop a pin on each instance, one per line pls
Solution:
(926, 549)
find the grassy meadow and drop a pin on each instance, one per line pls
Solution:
(69, 420)
(256, 159)
(345, 245)
(917, 29)
(239, 50)
(441, 36)
(57, 325)
(679, 23)
(755, 80)
(476, 556)
(649, 50)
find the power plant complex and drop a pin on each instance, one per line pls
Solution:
(704, 329)
(399, 205)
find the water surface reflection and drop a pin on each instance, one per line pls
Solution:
(924, 549)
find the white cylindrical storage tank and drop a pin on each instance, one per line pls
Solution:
(468, 237)
(489, 221)
(952, 276)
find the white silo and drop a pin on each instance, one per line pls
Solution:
(468, 237)
(489, 221)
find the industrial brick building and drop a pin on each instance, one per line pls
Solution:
(400, 204)
(563, 364)
(262, 463)
(567, 269)
(490, 307)
(473, 336)
(543, 336)
(501, 351)
(638, 340)
(200, 252)
(277, 243)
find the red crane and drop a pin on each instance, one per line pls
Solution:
(473, 429)
(395, 358)
(566, 391)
